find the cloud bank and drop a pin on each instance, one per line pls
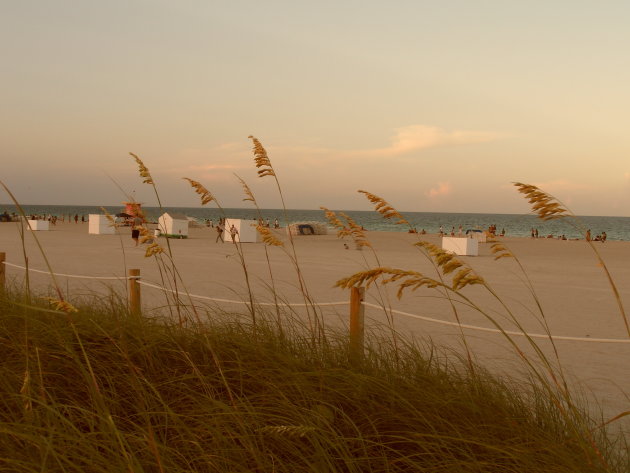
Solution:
(413, 138)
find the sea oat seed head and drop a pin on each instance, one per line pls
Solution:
(153, 249)
(110, 219)
(362, 278)
(409, 279)
(448, 263)
(500, 251)
(144, 172)
(386, 210)
(332, 218)
(261, 159)
(246, 189)
(354, 230)
(206, 196)
(268, 237)
(544, 205)
(464, 278)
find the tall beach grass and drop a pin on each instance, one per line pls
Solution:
(109, 392)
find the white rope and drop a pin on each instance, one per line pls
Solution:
(230, 301)
(494, 330)
(76, 276)
(367, 304)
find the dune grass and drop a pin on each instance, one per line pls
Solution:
(101, 390)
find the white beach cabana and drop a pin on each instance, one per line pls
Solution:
(461, 246)
(246, 230)
(99, 225)
(39, 225)
(173, 224)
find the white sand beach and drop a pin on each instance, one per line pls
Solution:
(572, 288)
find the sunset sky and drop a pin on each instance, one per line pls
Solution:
(435, 106)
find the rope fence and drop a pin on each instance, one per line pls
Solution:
(231, 301)
(505, 332)
(75, 276)
(356, 302)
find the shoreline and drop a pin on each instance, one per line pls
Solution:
(617, 228)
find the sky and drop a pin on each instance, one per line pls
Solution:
(436, 106)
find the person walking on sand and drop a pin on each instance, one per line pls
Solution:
(220, 229)
(233, 233)
(588, 235)
(276, 224)
(135, 231)
(76, 218)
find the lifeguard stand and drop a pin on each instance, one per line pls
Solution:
(134, 209)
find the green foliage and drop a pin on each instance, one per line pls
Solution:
(99, 391)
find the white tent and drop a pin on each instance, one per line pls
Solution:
(100, 225)
(461, 246)
(245, 230)
(173, 224)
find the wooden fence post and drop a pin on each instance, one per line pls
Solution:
(2, 272)
(357, 327)
(135, 301)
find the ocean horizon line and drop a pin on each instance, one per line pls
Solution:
(339, 209)
(616, 227)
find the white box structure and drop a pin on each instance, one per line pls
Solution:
(99, 225)
(246, 231)
(173, 224)
(461, 246)
(38, 225)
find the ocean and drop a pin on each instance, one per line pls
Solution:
(616, 228)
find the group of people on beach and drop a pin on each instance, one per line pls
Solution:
(588, 237)
(460, 231)
(492, 230)
(267, 224)
(53, 219)
(5, 217)
(221, 227)
(599, 237)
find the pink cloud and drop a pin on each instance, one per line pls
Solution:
(219, 161)
(405, 140)
(418, 137)
(443, 188)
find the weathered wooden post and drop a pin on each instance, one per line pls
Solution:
(135, 301)
(357, 326)
(2, 272)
